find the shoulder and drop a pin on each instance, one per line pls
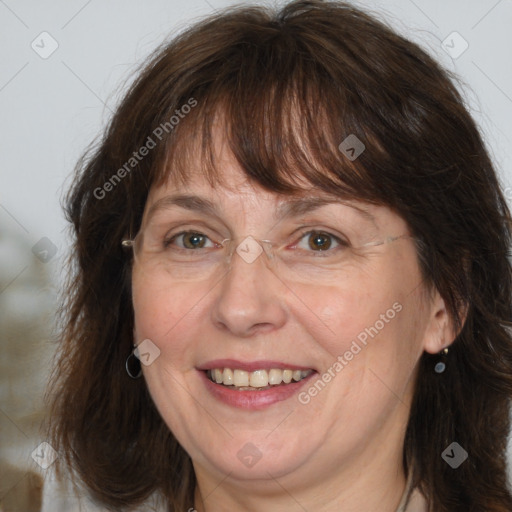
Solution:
(60, 496)
(416, 503)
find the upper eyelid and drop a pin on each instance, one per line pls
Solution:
(181, 233)
(307, 231)
(306, 224)
(297, 237)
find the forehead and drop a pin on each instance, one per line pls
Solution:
(229, 183)
(234, 193)
(234, 186)
(232, 203)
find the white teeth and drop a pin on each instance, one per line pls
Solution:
(287, 376)
(258, 379)
(228, 378)
(275, 376)
(241, 378)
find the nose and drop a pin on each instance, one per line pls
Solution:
(250, 297)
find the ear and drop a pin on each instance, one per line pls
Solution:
(440, 330)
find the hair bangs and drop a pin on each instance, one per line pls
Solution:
(284, 121)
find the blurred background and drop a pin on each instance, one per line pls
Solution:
(64, 66)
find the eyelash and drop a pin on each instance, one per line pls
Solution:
(341, 243)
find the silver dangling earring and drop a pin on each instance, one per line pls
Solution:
(440, 366)
(132, 365)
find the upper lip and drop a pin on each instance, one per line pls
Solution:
(250, 366)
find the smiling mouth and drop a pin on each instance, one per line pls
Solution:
(257, 380)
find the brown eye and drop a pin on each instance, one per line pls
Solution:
(193, 240)
(188, 240)
(319, 241)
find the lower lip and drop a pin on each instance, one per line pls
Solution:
(252, 399)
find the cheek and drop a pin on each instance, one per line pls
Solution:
(166, 315)
(371, 320)
(161, 310)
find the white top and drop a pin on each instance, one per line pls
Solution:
(412, 500)
(57, 497)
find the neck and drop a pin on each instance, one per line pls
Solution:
(373, 492)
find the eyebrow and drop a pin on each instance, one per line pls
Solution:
(187, 202)
(287, 209)
(296, 207)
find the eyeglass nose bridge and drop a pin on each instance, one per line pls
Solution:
(249, 249)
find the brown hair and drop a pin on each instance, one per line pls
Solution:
(290, 86)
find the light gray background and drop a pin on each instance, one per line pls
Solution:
(52, 108)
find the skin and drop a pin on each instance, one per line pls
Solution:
(343, 449)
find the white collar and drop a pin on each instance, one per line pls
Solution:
(412, 500)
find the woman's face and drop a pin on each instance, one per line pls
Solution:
(359, 320)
